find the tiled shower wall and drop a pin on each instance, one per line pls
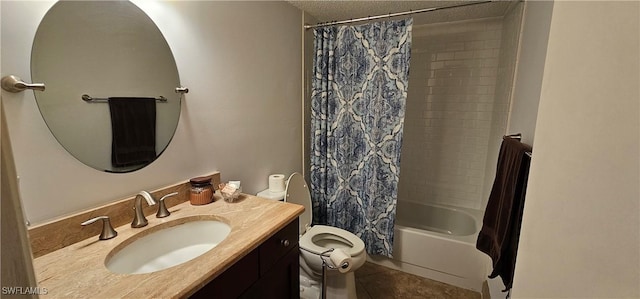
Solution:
(450, 112)
(511, 24)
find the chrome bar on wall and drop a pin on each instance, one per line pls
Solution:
(14, 84)
(182, 89)
(87, 98)
(391, 15)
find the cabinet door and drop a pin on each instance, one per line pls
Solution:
(282, 281)
(233, 282)
(270, 271)
(272, 250)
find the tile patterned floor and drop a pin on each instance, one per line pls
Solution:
(378, 282)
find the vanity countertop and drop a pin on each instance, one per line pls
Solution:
(78, 270)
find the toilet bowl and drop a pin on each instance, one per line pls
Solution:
(317, 242)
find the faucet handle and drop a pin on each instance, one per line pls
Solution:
(107, 230)
(162, 208)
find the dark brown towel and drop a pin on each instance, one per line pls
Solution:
(133, 126)
(503, 216)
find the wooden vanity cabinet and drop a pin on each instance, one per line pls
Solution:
(270, 271)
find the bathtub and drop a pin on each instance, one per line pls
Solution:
(438, 242)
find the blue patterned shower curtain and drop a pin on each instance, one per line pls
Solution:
(357, 114)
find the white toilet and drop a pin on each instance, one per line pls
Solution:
(320, 239)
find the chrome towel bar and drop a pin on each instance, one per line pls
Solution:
(14, 84)
(87, 98)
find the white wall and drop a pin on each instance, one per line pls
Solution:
(242, 63)
(528, 77)
(580, 233)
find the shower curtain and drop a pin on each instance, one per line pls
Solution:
(359, 90)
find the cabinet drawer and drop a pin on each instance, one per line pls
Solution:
(272, 250)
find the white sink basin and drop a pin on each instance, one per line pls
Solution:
(167, 246)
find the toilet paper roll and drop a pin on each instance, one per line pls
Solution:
(276, 182)
(341, 260)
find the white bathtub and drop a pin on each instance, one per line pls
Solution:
(438, 242)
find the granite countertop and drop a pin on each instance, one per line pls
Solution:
(78, 270)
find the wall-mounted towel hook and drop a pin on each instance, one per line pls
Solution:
(182, 90)
(14, 84)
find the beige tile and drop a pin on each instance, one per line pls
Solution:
(361, 291)
(370, 269)
(374, 281)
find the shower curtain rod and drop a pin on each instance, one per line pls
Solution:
(390, 15)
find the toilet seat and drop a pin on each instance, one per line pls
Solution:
(321, 238)
(318, 238)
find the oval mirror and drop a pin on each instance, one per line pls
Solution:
(113, 53)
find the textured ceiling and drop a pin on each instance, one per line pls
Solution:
(325, 11)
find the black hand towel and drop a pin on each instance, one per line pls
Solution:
(133, 126)
(500, 231)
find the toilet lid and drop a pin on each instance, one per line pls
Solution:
(297, 192)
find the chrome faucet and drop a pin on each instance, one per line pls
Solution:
(139, 220)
